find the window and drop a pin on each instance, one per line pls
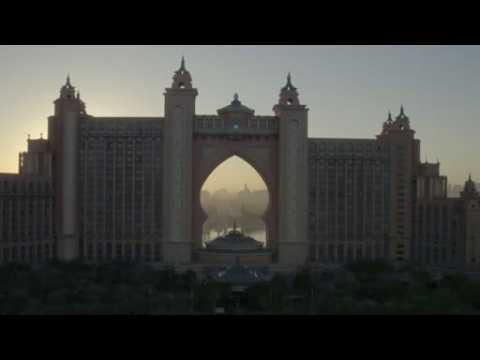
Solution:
(148, 253)
(128, 251)
(138, 251)
(109, 251)
(6, 254)
(157, 253)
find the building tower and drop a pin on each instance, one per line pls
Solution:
(292, 175)
(471, 204)
(178, 130)
(63, 130)
(404, 154)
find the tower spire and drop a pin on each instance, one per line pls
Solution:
(182, 78)
(402, 122)
(289, 85)
(236, 98)
(470, 189)
(182, 65)
(289, 94)
(67, 91)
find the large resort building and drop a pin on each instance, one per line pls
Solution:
(101, 189)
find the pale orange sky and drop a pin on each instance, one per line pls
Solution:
(233, 175)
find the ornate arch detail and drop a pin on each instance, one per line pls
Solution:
(262, 157)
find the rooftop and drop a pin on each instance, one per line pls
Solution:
(234, 241)
(236, 107)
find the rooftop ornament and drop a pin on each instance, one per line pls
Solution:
(235, 241)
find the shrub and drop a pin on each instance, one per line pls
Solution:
(370, 268)
(303, 281)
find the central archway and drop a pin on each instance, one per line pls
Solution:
(209, 152)
(235, 193)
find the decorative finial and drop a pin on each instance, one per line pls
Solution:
(390, 117)
(182, 78)
(68, 80)
(470, 177)
(236, 98)
(402, 112)
(182, 66)
(78, 95)
(289, 94)
(41, 135)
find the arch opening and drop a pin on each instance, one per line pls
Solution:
(234, 195)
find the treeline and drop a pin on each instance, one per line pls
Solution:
(76, 288)
(128, 289)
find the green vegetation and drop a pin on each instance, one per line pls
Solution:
(124, 288)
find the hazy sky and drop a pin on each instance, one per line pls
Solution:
(349, 89)
(233, 175)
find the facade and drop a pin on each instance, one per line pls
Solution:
(129, 188)
(27, 205)
(349, 198)
(27, 219)
(446, 230)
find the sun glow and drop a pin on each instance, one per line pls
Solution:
(233, 175)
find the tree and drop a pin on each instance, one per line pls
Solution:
(303, 281)
(259, 297)
(208, 296)
(369, 270)
(189, 279)
(279, 292)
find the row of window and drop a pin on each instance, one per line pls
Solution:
(346, 146)
(110, 251)
(344, 253)
(32, 253)
(31, 188)
(215, 123)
